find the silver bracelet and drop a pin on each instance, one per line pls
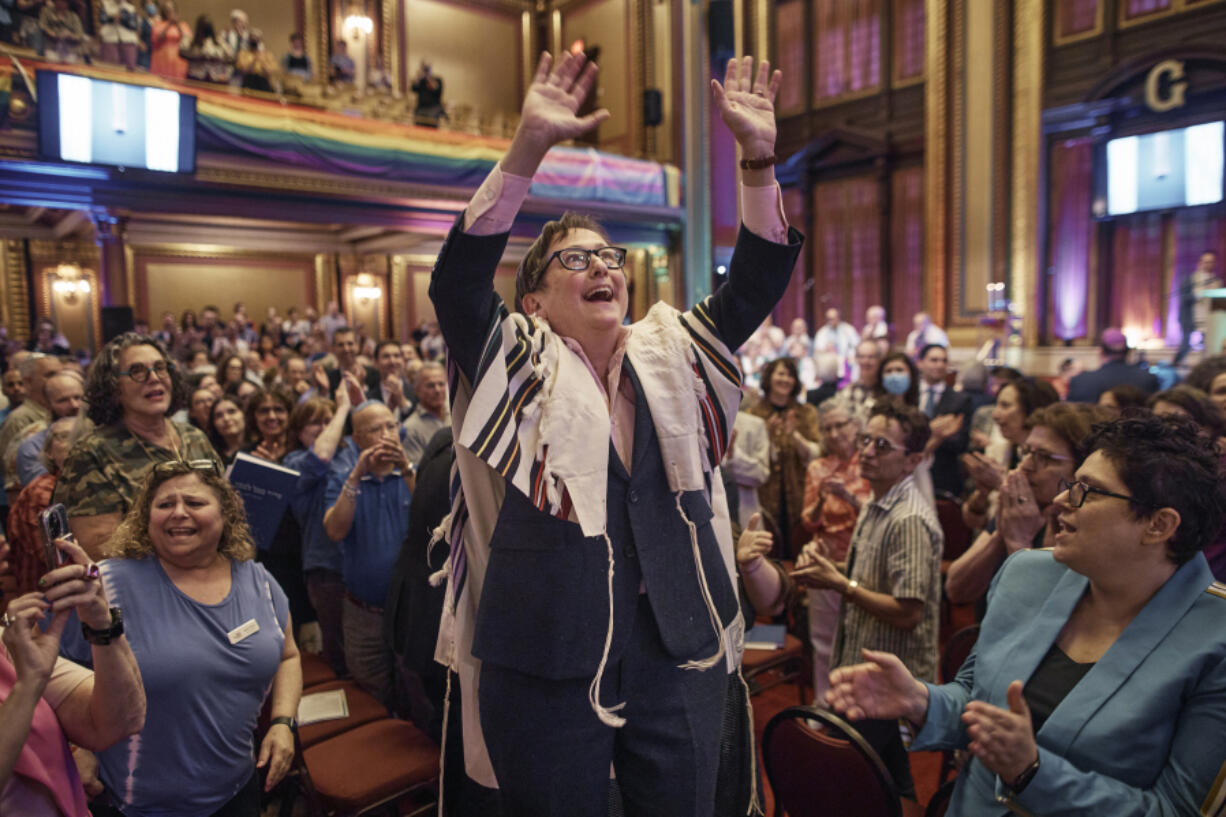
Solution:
(350, 491)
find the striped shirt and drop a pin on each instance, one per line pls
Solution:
(895, 549)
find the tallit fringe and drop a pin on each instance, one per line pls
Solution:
(439, 576)
(755, 808)
(442, 748)
(593, 691)
(705, 663)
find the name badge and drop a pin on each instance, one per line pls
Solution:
(244, 631)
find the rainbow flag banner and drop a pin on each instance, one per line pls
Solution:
(302, 136)
(337, 144)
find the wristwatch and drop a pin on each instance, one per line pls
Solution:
(103, 637)
(284, 719)
(851, 589)
(1023, 779)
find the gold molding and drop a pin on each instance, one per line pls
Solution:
(1058, 39)
(15, 304)
(1177, 7)
(391, 54)
(315, 34)
(936, 96)
(324, 280)
(190, 251)
(1028, 30)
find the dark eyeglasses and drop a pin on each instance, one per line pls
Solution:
(264, 411)
(1041, 458)
(1078, 491)
(881, 444)
(577, 260)
(186, 466)
(139, 372)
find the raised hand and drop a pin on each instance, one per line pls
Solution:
(1018, 517)
(881, 688)
(754, 543)
(747, 105)
(550, 111)
(32, 651)
(1002, 739)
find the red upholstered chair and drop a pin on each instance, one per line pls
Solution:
(953, 656)
(363, 708)
(378, 763)
(939, 803)
(315, 670)
(819, 766)
(763, 669)
(958, 538)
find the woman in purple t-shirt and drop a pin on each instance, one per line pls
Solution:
(211, 631)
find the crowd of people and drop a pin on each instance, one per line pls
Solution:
(552, 554)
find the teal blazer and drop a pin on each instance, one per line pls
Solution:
(1143, 733)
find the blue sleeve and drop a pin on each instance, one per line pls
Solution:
(336, 480)
(312, 478)
(462, 290)
(29, 464)
(758, 275)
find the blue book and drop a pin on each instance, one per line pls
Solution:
(265, 488)
(765, 637)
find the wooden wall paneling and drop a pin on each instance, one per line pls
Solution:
(936, 157)
(907, 251)
(792, 52)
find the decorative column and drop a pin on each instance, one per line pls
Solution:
(112, 258)
(695, 114)
(936, 94)
(1029, 23)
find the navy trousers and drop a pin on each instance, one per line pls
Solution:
(552, 755)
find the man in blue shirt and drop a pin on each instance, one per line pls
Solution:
(367, 504)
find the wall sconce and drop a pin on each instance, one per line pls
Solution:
(69, 283)
(366, 290)
(355, 23)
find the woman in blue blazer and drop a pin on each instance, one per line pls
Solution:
(1098, 685)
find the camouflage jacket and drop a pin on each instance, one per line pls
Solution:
(105, 470)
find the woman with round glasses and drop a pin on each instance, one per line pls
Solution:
(131, 390)
(1015, 402)
(1098, 684)
(1054, 447)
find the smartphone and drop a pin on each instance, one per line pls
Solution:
(55, 526)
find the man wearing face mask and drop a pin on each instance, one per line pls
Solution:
(367, 499)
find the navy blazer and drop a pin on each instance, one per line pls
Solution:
(1087, 387)
(1143, 733)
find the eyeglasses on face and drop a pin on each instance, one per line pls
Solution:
(880, 444)
(1078, 491)
(577, 260)
(139, 372)
(1041, 458)
(264, 411)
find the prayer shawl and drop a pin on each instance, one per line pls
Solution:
(530, 423)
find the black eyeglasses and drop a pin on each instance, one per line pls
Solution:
(1078, 491)
(139, 372)
(1041, 458)
(881, 444)
(577, 260)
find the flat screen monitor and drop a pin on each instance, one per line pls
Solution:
(97, 122)
(1167, 169)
